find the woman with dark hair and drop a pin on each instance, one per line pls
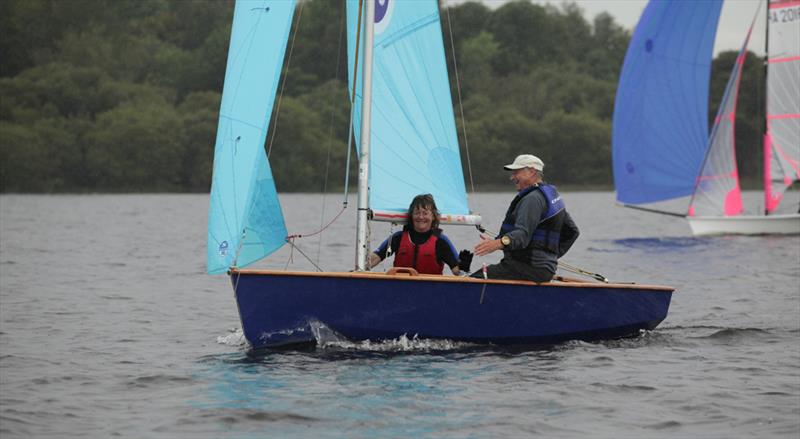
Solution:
(421, 244)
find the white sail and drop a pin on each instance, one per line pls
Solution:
(717, 191)
(782, 139)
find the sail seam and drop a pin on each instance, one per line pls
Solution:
(411, 28)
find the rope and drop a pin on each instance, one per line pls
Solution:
(291, 238)
(320, 230)
(239, 248)
(283, 82)
(481, 229)
(460, 102)
(577, 270)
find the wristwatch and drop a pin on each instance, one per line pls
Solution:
(505, 240)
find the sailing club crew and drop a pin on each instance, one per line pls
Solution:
(421, 244)
(536, 231)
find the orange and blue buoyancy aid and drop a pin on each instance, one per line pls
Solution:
(421, 257)
(548, 232)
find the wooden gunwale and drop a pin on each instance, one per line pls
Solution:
(566, 282)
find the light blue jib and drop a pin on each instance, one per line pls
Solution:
(660, 128)
(414, 146)
(245, 222)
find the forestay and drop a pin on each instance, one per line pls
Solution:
(245, 222)
(660, 128)
(414, 147)
(782, 141)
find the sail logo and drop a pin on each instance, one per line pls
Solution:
(223, 248)
(383, 15)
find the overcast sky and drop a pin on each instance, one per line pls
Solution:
(736, 17)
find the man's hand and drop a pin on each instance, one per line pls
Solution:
(488, 246)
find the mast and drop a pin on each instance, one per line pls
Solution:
(767, 147)
(362, 240)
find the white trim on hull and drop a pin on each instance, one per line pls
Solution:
(745, 225)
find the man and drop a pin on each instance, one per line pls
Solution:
(536, 231)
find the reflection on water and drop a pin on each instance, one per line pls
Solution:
(664, 244)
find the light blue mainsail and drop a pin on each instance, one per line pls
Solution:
(660, 127)
(414, 146)
(245, 222)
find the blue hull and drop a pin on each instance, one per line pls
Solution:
(277, 308)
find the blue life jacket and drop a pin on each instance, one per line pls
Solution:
(548, 231)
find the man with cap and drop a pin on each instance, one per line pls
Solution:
(536, 231)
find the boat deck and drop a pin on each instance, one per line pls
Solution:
(412, 276)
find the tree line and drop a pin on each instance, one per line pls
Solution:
(114, 96)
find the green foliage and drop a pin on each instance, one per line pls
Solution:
(316, 125)
(320, 45)
(123, 95)
(198, 113)
(579, 149)
(136, 146)
(501, 133)
(611, 42)
(475, 67)
(24, 160)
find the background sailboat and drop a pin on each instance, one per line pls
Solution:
(407, 146)
(660, 152)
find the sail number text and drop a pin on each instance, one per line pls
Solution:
(785, 15)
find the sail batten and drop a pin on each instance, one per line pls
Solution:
(245, 222)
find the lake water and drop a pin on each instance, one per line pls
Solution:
(109, 327)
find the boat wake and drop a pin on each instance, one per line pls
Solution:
(400, 344)
(234, 337)
(329, 340)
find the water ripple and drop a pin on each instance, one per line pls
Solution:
(113, 352)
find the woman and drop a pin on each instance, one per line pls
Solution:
(421, 244)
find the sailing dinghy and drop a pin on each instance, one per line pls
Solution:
(660, 148)
(407, 145)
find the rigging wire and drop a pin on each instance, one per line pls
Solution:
(283, 82)
(460, 102)
(330, 132)
(352, 104)
(306, 235)
(290, 239)
(294, 246)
